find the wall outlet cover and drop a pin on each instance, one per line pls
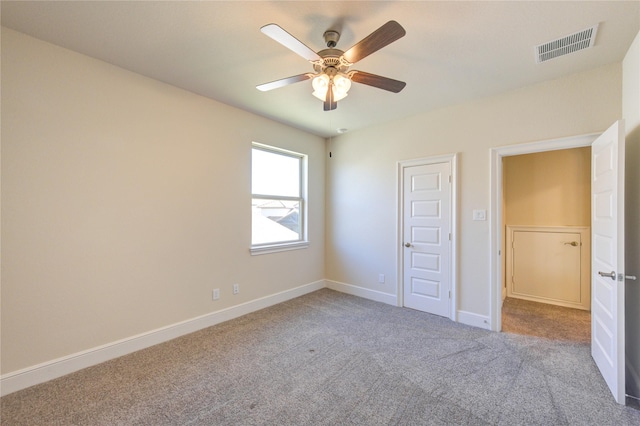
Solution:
(479, 215)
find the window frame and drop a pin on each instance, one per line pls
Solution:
(302, 242)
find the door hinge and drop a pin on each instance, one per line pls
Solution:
(449, 178)
(449, 236)
(449, 294)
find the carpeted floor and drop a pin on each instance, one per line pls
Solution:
(332, 359)
(544, 320)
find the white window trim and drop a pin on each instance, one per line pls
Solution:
(275, 248)
(303, 242)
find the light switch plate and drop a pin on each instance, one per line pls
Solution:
(479, 215)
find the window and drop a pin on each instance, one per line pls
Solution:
(278, 186)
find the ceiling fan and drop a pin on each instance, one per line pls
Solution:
(332, 77)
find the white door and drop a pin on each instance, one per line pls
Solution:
(607, 264)
(426, 235)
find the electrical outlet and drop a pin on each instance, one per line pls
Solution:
(236, 288)
(216, 294)
(381, 278)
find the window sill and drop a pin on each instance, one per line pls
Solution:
(255, 251)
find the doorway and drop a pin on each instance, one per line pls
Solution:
(497, 247)
(546, 222)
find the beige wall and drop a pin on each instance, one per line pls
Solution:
(548, 188)
(125, 202)
(362, 191)
(631, 114)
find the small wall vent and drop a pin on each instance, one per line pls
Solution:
(566, 45)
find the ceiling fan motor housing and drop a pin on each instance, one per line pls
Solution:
(331, 58)
(331, 38)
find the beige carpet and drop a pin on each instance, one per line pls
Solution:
(544, 320)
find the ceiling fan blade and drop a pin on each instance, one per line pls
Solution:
(329, 103)
(386, 34)
(378, 81)
(287, 40)
(283, 82)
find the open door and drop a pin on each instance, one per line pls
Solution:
(607, 263)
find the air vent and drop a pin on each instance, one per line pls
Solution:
(566, 45)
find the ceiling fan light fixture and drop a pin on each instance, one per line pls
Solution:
(320, 86)
(338, 95)
(340, 84)
(322, 95)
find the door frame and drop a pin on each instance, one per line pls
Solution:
(452, 159)
(496, 278)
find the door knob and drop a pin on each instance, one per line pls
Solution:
(621, 277)
(572, 243)
(611, 274)
(407, 244)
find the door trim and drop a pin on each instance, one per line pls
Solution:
(495, 212)
(452, 159)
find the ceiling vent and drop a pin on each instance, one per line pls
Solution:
(566, 45)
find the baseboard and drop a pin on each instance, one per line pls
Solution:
(469, 318)
(49, 370)
(632, 380)
(365, 293)
(464, 317)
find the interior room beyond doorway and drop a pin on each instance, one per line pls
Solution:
(547, 191)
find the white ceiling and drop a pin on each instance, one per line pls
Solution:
(453, 51)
